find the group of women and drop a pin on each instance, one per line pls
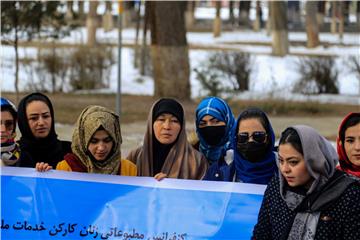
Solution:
(312, 191)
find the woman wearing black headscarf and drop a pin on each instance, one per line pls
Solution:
(39, 142)
(165, 151)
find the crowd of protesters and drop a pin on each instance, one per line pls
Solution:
(313, 192)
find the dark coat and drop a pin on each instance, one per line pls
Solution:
(339, 220)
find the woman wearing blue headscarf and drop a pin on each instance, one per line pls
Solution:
(214, 127)
(254, 156)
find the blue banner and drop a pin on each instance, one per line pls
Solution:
(65, 205)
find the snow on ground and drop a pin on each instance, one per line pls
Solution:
(271, 76)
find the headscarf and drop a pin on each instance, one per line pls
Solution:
(219, 109)
(7, 105)
(9, 150)
(49, 149)
(259, 172)
(182, 161)
(89, 121)
(320, 159)
(345, 164)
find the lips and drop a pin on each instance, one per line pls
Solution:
(289, 179)
(41, 130)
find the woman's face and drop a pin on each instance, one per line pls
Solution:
(209, 120)
(39, 118)
(352, 144)
(7, 125)
(100, 145)
(249, 127)
(166, 128)
(293, 167)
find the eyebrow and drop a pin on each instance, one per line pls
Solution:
(289, 158)
(36, 114)
(211, 119)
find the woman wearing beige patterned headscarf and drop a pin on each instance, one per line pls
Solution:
(166, 151)
(96, 145)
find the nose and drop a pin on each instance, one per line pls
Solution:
(40, 121)
(285, 167)
(167, 124)
(101, 146)
(357, 144)
(2, 127)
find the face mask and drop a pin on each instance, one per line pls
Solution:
(212, 134)
(252, 151)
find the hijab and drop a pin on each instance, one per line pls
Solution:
(345, 164)
(219, 109)
(49, 149)
(181, 161)
(91, 119)
(256, 172)
(320, 160)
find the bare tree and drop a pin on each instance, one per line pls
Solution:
(169, 49)
(92, 23)
(312, 29)
(231, 12)
(278, 18)
(244, 9)
(107, 19)
(190, 14)
(257, 22)
(321, 12)
(217, 20)
(358, 14)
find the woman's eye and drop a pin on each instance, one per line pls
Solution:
(293, 163)
(349, 140)
(174, 121)
(107, 140)
(93, 141)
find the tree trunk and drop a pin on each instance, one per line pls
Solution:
(138, 20)
(127, 13)
(312, 29)
(334, 13)
(231, 12)
(278, 18)
(69, 11)
(144, 45)
(107, 19)
(190, 14)
(244, 9)
(321, 12)
(217, 20)
(341, 7)
(358, 14)
(169, 49)
(16, 45)
(81, 10)
(92, 23)
(257, 22)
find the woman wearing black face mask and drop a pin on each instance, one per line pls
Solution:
(254, 157)
(215, 127)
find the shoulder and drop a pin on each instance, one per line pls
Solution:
(134, 154)
(63, 166)
(128, 168)
(66, 146)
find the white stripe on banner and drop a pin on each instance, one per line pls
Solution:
(69, 205)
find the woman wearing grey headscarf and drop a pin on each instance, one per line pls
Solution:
(309, 199)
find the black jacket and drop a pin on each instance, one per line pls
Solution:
(339, 220)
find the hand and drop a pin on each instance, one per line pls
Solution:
(42, 167)
(160, 176)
